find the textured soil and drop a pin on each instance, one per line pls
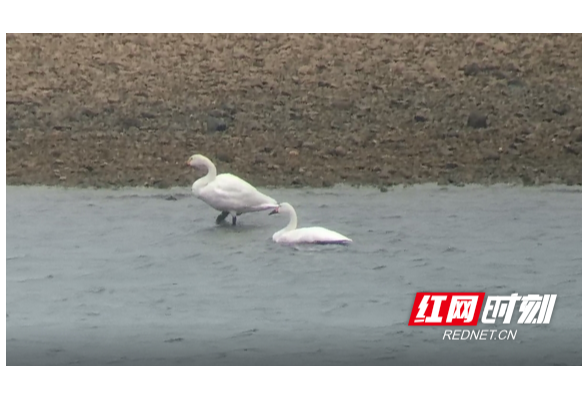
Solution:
(128, 110)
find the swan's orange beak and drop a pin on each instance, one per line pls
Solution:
(275, 211)
(188, 163)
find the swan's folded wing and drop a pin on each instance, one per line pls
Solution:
(236, 194)
(316, 235)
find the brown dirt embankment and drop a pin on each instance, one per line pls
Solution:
(110, 110)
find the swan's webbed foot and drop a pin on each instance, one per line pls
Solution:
(222, 217)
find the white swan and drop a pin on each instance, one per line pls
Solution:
(226, 192)
(315, 234)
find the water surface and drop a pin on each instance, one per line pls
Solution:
(111, 277)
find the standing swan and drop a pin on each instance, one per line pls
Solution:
(226, 192)
(315, 235)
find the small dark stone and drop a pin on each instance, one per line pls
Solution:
(477, 120)
(561, 110)
(294, 115)
(170, 197)
(516, 82)
(571, 149)
(224, 157)
(499, 75)
(471, 69)
(420, 118)
(383, 189)
(147, 115)
(215, 124)
(399, 103)
(445, 151)
(86, 112)
(230, 108)
(527, 181)
(450, 134)
(451, 165)
(130, 122)
(490, 155)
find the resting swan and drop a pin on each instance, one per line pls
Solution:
(316, 235)
(226, 192)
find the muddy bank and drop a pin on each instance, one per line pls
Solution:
(110, 110)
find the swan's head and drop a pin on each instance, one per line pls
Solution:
(275, 211)
(282, 208)
(197, 161)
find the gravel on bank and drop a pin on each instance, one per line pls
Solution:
(288, 110)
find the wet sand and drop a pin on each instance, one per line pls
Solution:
(294, 110)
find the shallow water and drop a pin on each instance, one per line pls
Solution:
(115, 277)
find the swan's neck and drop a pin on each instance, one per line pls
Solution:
(291, 225)
(205, 180)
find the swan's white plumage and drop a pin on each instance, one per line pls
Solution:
(316, 235)
(230, 193)
(227, 192)
(311, 235)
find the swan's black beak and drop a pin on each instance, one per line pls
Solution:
(274, 211)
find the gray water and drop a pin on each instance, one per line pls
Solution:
(111, 277)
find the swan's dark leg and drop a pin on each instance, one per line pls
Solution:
(235, 218)
(222, 217)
